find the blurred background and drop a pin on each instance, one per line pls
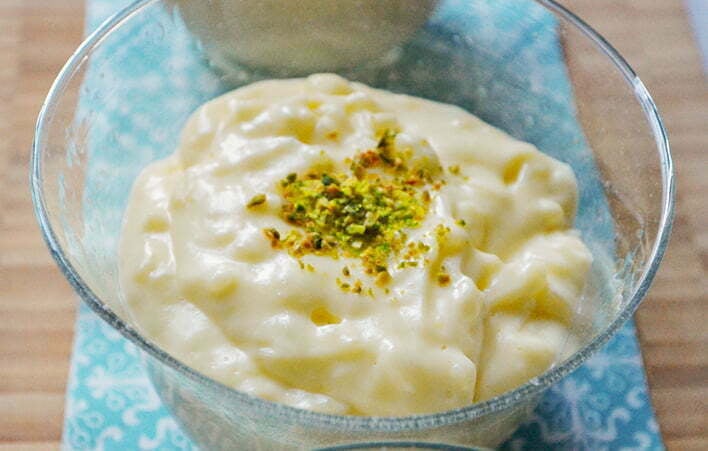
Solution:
(37, 306)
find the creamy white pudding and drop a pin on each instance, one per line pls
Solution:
(343, 249)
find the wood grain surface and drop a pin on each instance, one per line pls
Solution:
(37, 306)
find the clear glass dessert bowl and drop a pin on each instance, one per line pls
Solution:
(527, 67)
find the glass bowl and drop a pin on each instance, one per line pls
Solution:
(120, 102)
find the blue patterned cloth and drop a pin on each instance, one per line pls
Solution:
(603, 405)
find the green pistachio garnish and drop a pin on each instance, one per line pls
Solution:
(258, 199)
(272, 235)
(441, 232)
(443, 277)
(344, 286)
(382, 278)
(360, 214)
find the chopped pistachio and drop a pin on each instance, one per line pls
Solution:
(441, 232)
(362, 214)
(407, 264)
(443, 277)
(327, 180)
(273, 235)
(382, 278)
(258, 199)
(356, 229)
(344, 286)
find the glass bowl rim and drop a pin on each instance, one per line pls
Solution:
(362, 423)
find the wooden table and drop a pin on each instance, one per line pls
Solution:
(37, 307)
